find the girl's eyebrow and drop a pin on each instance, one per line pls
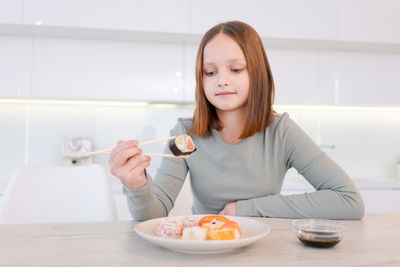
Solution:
(229, 61)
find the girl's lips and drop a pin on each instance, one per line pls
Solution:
(225, 93)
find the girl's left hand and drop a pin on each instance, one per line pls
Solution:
(229, 209)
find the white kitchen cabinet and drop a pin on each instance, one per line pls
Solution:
(95, 69)
(308, 19)
(361, 78)
(11, 11)
(137, 15)
(296, 78)
(368, 21)
(80, 67)
(15, 66)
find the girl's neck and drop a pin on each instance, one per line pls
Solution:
(232, 125)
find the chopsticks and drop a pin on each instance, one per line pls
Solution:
(108, 151)
(165, 155)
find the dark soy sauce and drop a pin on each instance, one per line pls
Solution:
(319, 243)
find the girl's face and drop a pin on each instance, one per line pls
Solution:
(225, 78)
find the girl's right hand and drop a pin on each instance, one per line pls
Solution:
(128, 163)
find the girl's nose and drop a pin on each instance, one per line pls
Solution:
(223, 80)
(221, 84)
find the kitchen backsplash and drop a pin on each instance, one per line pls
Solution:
(364, 142)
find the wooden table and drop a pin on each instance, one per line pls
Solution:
(373, 241)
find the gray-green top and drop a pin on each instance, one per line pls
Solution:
(251, 173)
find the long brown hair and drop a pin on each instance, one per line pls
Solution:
(259, 112)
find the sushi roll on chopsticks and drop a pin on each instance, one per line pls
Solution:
(182, 145)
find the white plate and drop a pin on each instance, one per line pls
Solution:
(252, 230)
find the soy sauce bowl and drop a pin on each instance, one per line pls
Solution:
(319, 233)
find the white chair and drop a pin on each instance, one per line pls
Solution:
(52, 194)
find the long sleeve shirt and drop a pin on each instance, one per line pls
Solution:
(250, 173)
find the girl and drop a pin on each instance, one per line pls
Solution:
(244, 148)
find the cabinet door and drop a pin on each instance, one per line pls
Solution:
(369, 21)
(361, 78)
(151, 15)
(94, 69)
(15, 66)
(11, 11)
(296, 79)
(377, 201)
(307, 19)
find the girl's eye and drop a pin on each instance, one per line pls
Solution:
(210, 73)
(237, 70)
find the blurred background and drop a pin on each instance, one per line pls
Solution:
(79, 75)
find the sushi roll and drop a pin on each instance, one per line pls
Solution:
(220, 228)
(182, 145)
(194, 233)
(228, 231)
(212, 222)
(170, 228)
(189, 221)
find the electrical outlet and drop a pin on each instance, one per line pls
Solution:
(72, 150)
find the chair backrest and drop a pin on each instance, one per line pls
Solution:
(51, 194)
